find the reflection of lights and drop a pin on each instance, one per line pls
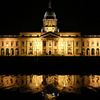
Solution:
(64, 85)
(64, 82)
(53, 94)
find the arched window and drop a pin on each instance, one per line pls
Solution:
(83, 51)
(2, 51)
(30, 51)
(12, 51)
(93, 51)
(7, 51)
(69, 51)
(17, 51)
(87, 51)
(97, 51)
(22, 51)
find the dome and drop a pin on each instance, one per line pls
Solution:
(50, 14)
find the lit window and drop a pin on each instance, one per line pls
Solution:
(55, 50)
(92, 43)
(7, 43)
(49, 43)
(22, 51)
(97, 43)
(87, 43)
(69, 43)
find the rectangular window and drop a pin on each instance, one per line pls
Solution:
(7, 43)
(55, 51)
(44, 43)
(55, 43)
(87, 43)
(22, 43)
(62, 51)
(12, 43)
(69, 50)
(97, 43)
(44, 51)
(77, 51)
(22, 51)
(2, 43)
(92, 44)
(69, 43)
(49, 43)
(30, 43)
(82, 43)
(77, 43)
(17, 43)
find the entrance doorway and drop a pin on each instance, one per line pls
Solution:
(49, 52)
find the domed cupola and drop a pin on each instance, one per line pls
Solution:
(50, 20)
(49, 14)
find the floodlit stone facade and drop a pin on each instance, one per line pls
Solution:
(50, 41)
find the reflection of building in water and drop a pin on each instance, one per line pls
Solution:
(8, 81)
(49, 41)
(31, 81)
(92, 81)
(66, 83)
(53, 79)
(35, 82)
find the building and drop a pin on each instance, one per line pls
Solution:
(49, 42)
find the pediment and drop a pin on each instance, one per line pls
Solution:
(50, 35)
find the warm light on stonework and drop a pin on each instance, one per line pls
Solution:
(49, 42)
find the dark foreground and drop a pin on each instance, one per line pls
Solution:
(50, 65)
(84, 94)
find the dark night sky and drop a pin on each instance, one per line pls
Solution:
(72, 15)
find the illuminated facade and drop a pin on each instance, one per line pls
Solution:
(50, 42)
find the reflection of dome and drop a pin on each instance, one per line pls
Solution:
(50, 14)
